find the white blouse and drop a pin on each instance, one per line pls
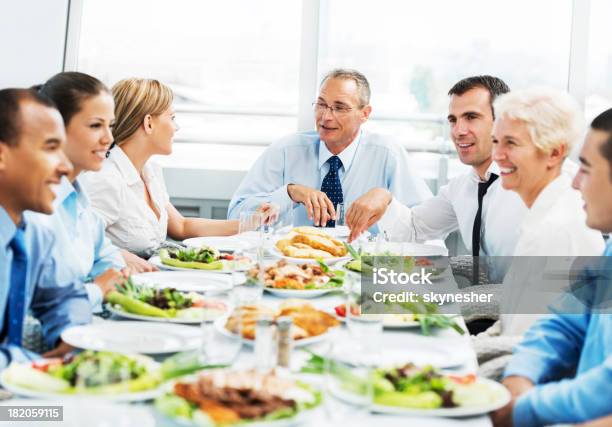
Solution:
(552, 234)
(117, 193)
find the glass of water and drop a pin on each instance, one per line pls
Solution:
(340, 221)
(348, 381)
(365, 329)
(219, 348)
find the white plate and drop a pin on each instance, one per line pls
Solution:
(156, 261)
(220, 327)
(406, 249)
(420, 354)
(300, 418)
(118, 311)
(96, 413)
(301, 293)
(116, 397)
(134, 337)
(223, 244)
(387, 324)
(329, 261)
(188, 281)
(502, 397)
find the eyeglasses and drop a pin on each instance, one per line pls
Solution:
(336, 110)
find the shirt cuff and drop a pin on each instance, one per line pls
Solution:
(391, 217)
(523, 413)
(524, 364)
(95, 297)
(281, 197)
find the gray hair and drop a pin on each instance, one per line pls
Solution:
(552, 117)
(348, 74)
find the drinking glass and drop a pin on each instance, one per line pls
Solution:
(340, 221)
(218, 348)
(348, 381)
(246, 290)
(365, 329)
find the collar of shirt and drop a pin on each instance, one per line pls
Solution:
(125, 165)
(608, 251)
(71, 196)
(346, 156)
(7, 228)
(546, 199)
(493, 168)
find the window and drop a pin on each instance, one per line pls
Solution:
(599, 72)
(232, 64)
(413, 52)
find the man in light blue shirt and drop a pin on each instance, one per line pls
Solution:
(31, 163)
(81, 241)
(311, 172)
(562, 371)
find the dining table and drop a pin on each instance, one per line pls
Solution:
(442, 341)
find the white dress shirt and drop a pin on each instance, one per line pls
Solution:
(454, 208)
(117, 193)
(370, 161)
(554, 226)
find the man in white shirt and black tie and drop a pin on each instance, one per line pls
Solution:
(486, 215)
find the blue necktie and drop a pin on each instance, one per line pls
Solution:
(331, 185)
(16, 297)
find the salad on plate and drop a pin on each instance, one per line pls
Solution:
(87, 373)
(156, 303)
(202, 258)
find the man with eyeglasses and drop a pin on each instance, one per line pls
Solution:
(312, 172)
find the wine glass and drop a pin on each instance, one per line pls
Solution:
(349, 381)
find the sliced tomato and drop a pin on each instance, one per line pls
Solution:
(340, 310)
(463, 379)
(45, 364)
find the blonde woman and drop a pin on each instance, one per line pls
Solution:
(129, 192)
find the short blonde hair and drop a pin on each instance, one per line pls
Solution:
(552, 117)
(134, 99)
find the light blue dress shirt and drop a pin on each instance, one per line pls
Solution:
(57, 304)
(552, 349)
(81, 243)
(368, 162)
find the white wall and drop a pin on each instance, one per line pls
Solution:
(32, 37)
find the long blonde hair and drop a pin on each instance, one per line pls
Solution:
(134, 99)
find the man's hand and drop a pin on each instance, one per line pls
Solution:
(107, 280)
(270, 213)
(599, 422)
(319, 207)
(517, 386)
(367, 210)
(137, 264)
(60, 351)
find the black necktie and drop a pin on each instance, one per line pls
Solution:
(331, 185)
(482, 190)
